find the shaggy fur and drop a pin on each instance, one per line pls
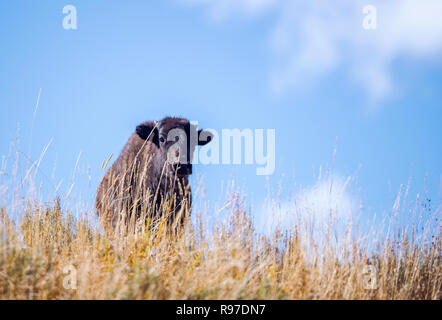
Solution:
(142, 183)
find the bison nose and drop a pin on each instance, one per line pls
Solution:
(188, 169)
(184, 169)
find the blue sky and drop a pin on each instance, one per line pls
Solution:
(309, 71)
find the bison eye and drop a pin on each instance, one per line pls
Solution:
(177, 138)
(161, 139)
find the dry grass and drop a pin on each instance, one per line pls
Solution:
(49, 253)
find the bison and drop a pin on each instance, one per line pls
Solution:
(150, 177)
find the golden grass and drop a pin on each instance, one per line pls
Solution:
(48, 254)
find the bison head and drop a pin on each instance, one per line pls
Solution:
(176, 139)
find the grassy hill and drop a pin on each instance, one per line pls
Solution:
(49, 254)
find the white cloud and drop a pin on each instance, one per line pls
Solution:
(329, 198)
(326, 209)
(311, 38)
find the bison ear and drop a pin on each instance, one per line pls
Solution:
(148, 130)
(204, 137)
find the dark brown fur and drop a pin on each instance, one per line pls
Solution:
(142, 183)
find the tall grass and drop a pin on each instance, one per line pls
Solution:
(48, 252)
